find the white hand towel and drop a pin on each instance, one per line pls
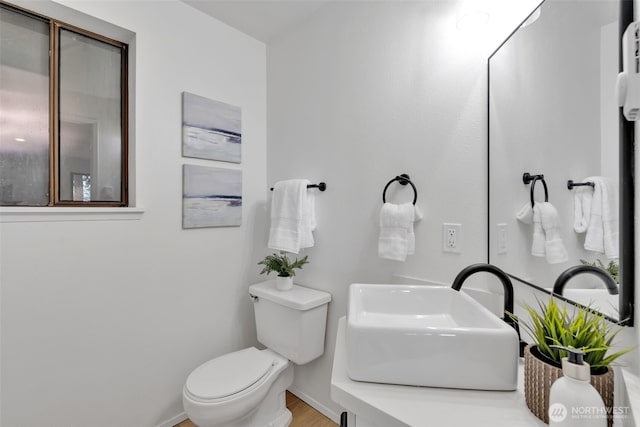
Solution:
(582, 200)
(292, 216)
(610, 220)
(555, 252)
(411, 237)
(525, 214)
(309, 219)
(396, 239)
(602, 233)
(537, 244)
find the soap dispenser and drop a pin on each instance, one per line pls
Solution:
(573, 402)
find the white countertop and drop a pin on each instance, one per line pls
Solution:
(399, 406)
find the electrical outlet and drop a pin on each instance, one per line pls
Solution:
(502, 239)
(451, 237)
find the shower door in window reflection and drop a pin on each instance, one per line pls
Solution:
(91, 124)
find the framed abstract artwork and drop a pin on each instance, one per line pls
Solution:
(211, 129)
(211, 197)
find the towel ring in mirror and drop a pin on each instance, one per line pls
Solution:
(527, 178)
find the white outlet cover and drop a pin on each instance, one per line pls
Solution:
(451, 234)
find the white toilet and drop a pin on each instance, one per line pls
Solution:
(246, 388)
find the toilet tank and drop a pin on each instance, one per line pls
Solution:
(291, 323)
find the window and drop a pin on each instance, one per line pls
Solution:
(63, 116)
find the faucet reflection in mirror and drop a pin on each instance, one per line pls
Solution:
(603, 300)
(570, 272)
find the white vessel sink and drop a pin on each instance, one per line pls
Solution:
(427, 336)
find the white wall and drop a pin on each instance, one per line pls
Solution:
(103, 320)
(362, 92)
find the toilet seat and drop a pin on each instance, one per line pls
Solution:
(229, 375)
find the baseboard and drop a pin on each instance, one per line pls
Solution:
(315, 404)
(173, 421)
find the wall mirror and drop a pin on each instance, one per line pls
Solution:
(553, 112)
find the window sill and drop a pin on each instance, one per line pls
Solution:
(49, 214)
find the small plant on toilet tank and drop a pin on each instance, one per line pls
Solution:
(285, 268)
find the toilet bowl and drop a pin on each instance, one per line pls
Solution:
(246, 388)
(239, 389)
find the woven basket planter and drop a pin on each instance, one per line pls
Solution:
(539, 375)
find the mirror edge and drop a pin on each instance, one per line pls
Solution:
(627, 191)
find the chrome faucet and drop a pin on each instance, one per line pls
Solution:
(566, 275)
(509, 316)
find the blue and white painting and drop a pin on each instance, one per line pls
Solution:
(210, 129)
(211, 197)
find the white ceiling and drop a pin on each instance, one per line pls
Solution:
(261, 19)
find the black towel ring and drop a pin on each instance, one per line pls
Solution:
(527, 178)
(402, 180)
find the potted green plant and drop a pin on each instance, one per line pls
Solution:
(285, 268)
(584, 329)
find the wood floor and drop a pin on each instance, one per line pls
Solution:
(303, 415)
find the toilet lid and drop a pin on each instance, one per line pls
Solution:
(229, 374)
